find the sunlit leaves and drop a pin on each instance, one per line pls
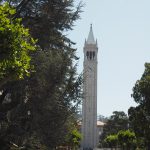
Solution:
(15, 45)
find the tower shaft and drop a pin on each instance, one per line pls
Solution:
(89, 106)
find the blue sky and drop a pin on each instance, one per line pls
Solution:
(122, 28)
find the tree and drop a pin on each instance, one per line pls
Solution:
(111, 140)
(140, 115)
(118, 121)
(50, 96)
(48, 21)
(136, 117)
(15, 46)
(127, 139)
(73, 139)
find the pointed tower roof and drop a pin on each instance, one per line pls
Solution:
(90, 39)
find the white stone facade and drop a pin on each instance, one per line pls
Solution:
(89, 107)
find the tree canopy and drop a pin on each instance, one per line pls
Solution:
(42, 104)
(116, 122)
(15, 46)
(127, 139)
(111, 140)
(139, 116)
(124, 139)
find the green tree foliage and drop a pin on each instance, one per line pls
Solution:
(73, 139)
(140, 115)
(48, 20)
(127, 139)
(124, 139)
(118, 121)
(111, 141)
(49, 97)
(15, 46)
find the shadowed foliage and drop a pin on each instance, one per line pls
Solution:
(42, 104)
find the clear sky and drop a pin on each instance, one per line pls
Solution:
(122, 28)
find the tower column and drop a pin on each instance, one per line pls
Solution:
(89, 105)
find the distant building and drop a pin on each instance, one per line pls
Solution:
(100, 126)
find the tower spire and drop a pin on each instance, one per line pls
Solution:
(90, 39)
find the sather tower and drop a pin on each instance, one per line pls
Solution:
(89, 107)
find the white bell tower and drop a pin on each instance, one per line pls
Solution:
(89, 106)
